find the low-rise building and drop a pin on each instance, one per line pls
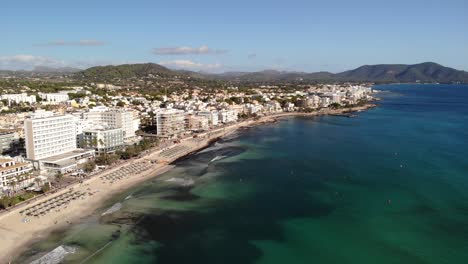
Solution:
(54, 98)
(8, 141)
(19, 98)
(14, 175)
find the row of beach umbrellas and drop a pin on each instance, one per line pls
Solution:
(175, 151)
(53, 203)
(126, 171)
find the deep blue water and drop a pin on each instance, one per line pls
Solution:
(389, 186)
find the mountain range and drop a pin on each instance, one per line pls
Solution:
(381, 73)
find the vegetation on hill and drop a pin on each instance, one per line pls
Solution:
(154, 76)
(423, 72)
(125, 71)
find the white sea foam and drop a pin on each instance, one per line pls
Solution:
(217, 158)
(183, 182)
(128, 197)
(55, 256)
(215, 146)
(176, 180)
(116, 207)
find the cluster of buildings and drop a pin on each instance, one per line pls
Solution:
(19, 98)
(46, 98)
(174, 122)
(76, 131)
(57, 142)
(335, 94)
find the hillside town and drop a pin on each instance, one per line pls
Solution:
(49, 137)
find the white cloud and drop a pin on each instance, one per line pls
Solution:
(187, 51)
(27, 62)
(82, 43)
(191, 65)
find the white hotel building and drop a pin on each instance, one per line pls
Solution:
(103, 140)
(227, 116)
(19, 98)
(54, 98)
(103, 116)
(211, 116)
(51, 142)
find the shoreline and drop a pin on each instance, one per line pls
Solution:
(17, 235)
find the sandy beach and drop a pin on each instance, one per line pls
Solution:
(17, 230)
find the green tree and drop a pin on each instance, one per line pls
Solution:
(106, 159)
(130, 152)
(89, 166)
(45, 188)
(58, 176)
(335, 105)
(5, 202)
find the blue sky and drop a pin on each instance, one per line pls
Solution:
(216, 36)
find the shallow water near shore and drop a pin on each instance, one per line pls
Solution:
(388, 186)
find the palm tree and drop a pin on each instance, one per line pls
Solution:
(12, 184)
(19, 181)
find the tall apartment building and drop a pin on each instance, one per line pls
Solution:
(273, 106)
(227, 116)
(51, 142)
(103, 140)
(211, 116)
(197, 122)
(169, 122)
(47, 135)
(113, 118)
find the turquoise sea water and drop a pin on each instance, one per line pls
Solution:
(389, 186)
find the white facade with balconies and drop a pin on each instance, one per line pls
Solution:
(47, 135)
